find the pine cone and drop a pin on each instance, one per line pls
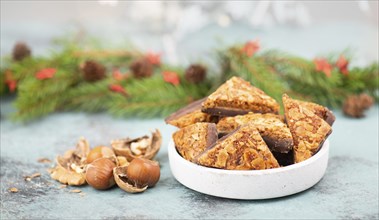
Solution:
(21, 51)
(195, 73)
(355, 105)
(367, 101)
(93, 71)
(141, 68)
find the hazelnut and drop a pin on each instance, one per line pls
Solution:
(99, 173)
(137, 176)
(121, 179)
(99, 152)
(143, 172)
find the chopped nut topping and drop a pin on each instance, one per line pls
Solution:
(194, 139)
(238, 94)
(308, 130)
(271, 127)
(228, 152)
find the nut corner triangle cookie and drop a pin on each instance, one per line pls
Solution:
(192, 140)
(271, 127)
(188, 115)
(238, 97)
(309, 131)
(243, 149)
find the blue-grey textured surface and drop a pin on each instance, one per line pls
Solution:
(348, 190)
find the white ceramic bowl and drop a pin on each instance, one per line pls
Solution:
(251, 184)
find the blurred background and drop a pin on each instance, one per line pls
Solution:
(188, 31)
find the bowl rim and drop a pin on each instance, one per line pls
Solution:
(323, 150)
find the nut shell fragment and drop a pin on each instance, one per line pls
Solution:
(13, 190)
(34, 175)
(142, 147)
(68, 177)
(82, 148)
(121, 179)
(70, 167)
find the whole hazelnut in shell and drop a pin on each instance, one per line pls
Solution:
(99, 152)
(143, 172)
(99, 173)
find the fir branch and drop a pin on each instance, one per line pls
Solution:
(298, 76)
(153, 97)
(106, 53)
(272, 71)
(37, 98)
(90, 97)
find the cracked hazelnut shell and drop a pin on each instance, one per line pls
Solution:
(121, 180)
(70, 167)
(124, 147)
(137, 176)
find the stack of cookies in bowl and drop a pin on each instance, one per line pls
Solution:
(238, 127)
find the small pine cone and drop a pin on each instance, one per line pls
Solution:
(355, 105)
(195, 73)
(93, 71)
(141, 68)
(367, 100)
(21, 51)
